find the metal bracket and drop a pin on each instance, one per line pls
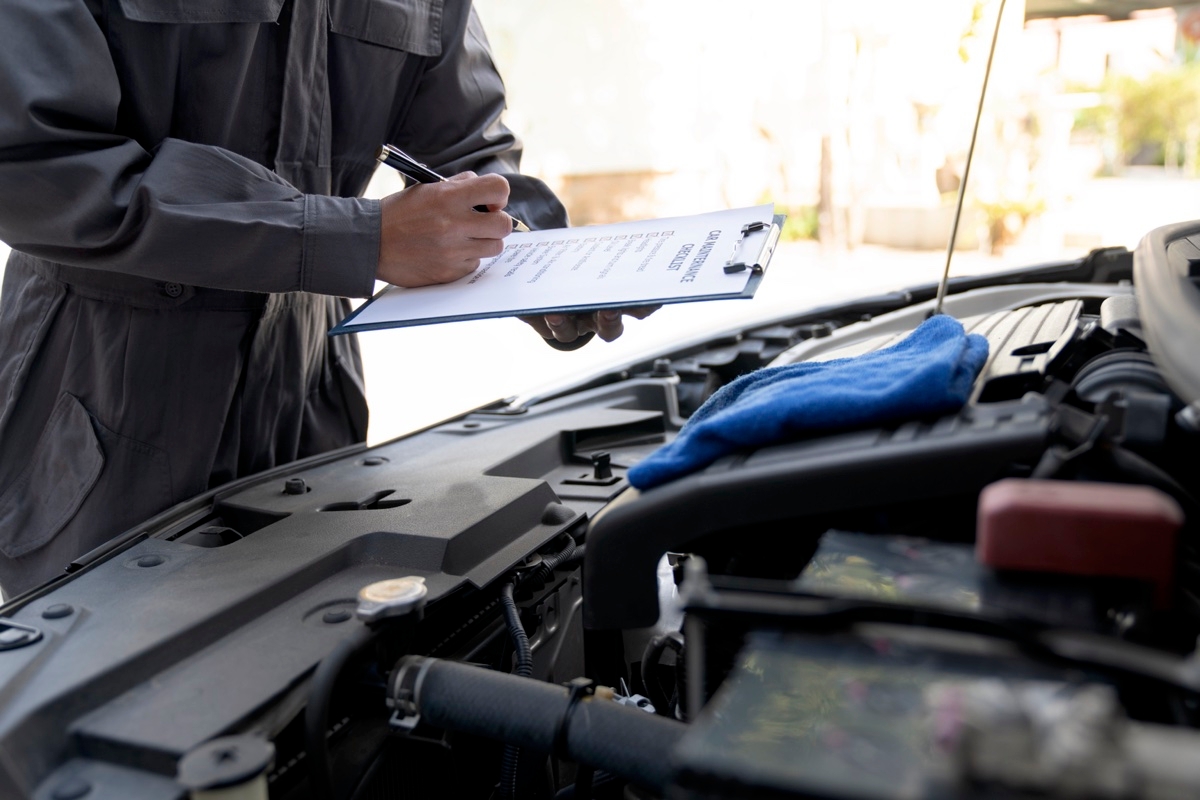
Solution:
(405, 689)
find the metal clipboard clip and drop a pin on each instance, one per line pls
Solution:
(756, 246)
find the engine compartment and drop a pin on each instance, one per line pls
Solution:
(810, 619)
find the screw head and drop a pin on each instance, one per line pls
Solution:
(662, 368)
(226, 762)
(295, 486)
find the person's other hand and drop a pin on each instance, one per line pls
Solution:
(608, 325)
(432, 234)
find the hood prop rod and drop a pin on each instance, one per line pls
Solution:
(962, 186)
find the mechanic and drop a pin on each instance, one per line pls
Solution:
(180, 182)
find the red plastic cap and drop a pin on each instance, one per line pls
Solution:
(1075, 528)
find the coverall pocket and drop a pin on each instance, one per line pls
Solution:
(414, 26)
(189, 11)
(65, 465)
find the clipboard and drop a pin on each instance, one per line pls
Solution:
(740, 268)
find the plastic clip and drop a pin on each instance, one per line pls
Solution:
(577, 689)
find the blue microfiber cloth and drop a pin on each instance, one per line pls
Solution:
(929, 372)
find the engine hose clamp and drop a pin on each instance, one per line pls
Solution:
(404, 690)
(577, 689)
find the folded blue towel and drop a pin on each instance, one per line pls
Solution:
(929, 372)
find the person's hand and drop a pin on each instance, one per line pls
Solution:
(432, 234)
(608, 325)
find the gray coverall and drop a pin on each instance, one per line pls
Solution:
(179, 182)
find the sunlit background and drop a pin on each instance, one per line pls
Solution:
(854, 117)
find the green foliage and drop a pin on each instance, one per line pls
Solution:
(801, 223)
(1158, 114)
(1158, 111)
(1006, 219)
(972, 31)
(1022, 208)
(1094, 120)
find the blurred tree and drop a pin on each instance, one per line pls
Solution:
(972, 31)
(1161, 112)
(1156, 119)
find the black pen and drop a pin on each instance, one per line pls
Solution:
(409, 167)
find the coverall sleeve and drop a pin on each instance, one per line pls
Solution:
(74, 191)
(454, 123)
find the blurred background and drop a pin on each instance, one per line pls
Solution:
(854, 118)
(855, 115)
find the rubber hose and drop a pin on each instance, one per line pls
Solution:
(544, 570)
(1139, 468)
(510, 759)
(520, 639)
(600, 780)
(316, 713)
(528, 713)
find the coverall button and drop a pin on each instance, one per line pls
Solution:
(172, 290)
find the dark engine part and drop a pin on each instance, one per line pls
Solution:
(916, 461)
(895, 713)
(1167, 273)
(848, 641)
(341, 747)
(1088, 396)
(844, 618)
(531, 714)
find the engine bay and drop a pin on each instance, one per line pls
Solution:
(1000, 602)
